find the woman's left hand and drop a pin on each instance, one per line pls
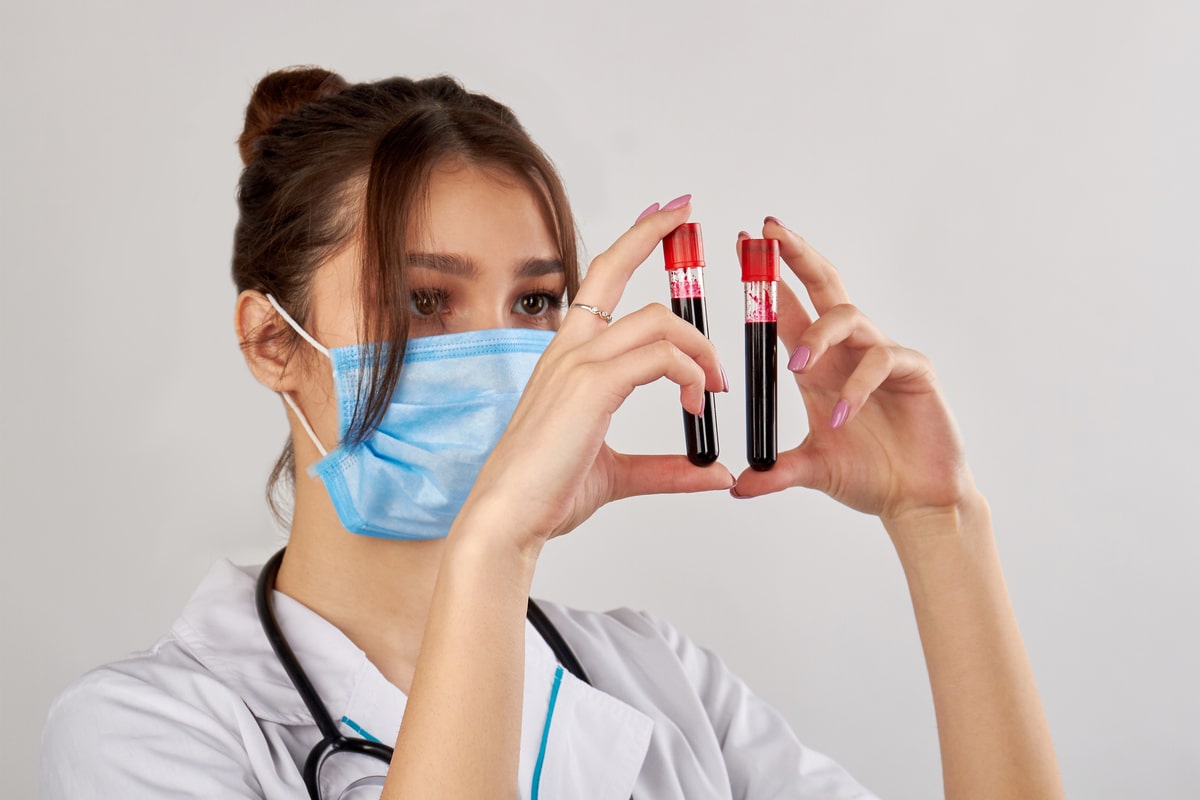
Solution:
(881, 439)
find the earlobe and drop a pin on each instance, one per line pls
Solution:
(262, 336)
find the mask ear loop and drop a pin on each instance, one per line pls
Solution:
(287, 398)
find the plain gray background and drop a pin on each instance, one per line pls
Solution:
(1010, 188)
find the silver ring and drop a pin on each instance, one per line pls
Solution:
(604, 315)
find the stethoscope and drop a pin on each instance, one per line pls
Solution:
(333, 742)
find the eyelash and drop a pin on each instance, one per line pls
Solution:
(554, 300)
(438, 296)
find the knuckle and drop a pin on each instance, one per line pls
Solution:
(659, 308)
(665, 350)
(884, 355)
(816, 280)
(847, 311)
(653, 314)
(600, 262)
(662, 316)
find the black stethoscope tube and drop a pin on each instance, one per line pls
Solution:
(332, 740)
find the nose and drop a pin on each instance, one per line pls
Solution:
(490, 316)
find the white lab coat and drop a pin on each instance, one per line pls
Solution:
(209, 712)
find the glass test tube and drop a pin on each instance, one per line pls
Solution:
(760, 280)
(683, 249)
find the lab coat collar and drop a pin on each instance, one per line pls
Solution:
(596, 743)
(220, 627)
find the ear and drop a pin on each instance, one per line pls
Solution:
(262, 334)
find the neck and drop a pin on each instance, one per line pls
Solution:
(376, 591)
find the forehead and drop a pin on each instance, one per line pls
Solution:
(476, 210)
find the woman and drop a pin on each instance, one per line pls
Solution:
(403, 256)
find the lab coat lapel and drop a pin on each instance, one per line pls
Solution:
(594, 748)
(220, 626)
(596, 744)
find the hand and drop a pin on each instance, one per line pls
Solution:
(552, 468)
(881, 439)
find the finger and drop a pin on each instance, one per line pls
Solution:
(878, 364)
(793, 322)
(840, 325)
(646, 364)
(654, 323)
(659, 474)
(610, 271)
(819, 277)
(800, 466)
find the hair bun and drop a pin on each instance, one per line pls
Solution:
(280, 93)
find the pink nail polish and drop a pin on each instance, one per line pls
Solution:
(649, 210)
(725, 379)
(799, 359)
(678, 202)
(840, 412)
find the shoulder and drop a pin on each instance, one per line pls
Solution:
(619, 626)
(163, 680)
(160, 702)
(628, 635)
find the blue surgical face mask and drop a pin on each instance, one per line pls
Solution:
(456, 393)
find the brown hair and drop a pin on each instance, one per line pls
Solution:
(327, 161)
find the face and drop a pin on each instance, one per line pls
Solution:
(486, 258)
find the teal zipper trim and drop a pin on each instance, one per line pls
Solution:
(537, 770)
(354, 726)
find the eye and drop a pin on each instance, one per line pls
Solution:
(537, 304)
(533, 303)
(427, 302)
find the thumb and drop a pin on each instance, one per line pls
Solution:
(638, 475)
(800, 466)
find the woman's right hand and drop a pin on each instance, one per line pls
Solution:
(552, 468)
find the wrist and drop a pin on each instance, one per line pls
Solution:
(925, 533)
(484, 531)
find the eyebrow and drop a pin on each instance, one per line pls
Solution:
(466, 268)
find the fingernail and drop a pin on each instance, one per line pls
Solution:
(703, 400)
(732, 482)
(840, 412)
(743, 235)
(678, 202)
(725, 379)
(733, 492)
(777, 222)
(650, 209)
(799, 358)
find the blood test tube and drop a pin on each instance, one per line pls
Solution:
(683, 249)
(760, 279)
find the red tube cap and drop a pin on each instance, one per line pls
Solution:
(684, 247)
(760, 259)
